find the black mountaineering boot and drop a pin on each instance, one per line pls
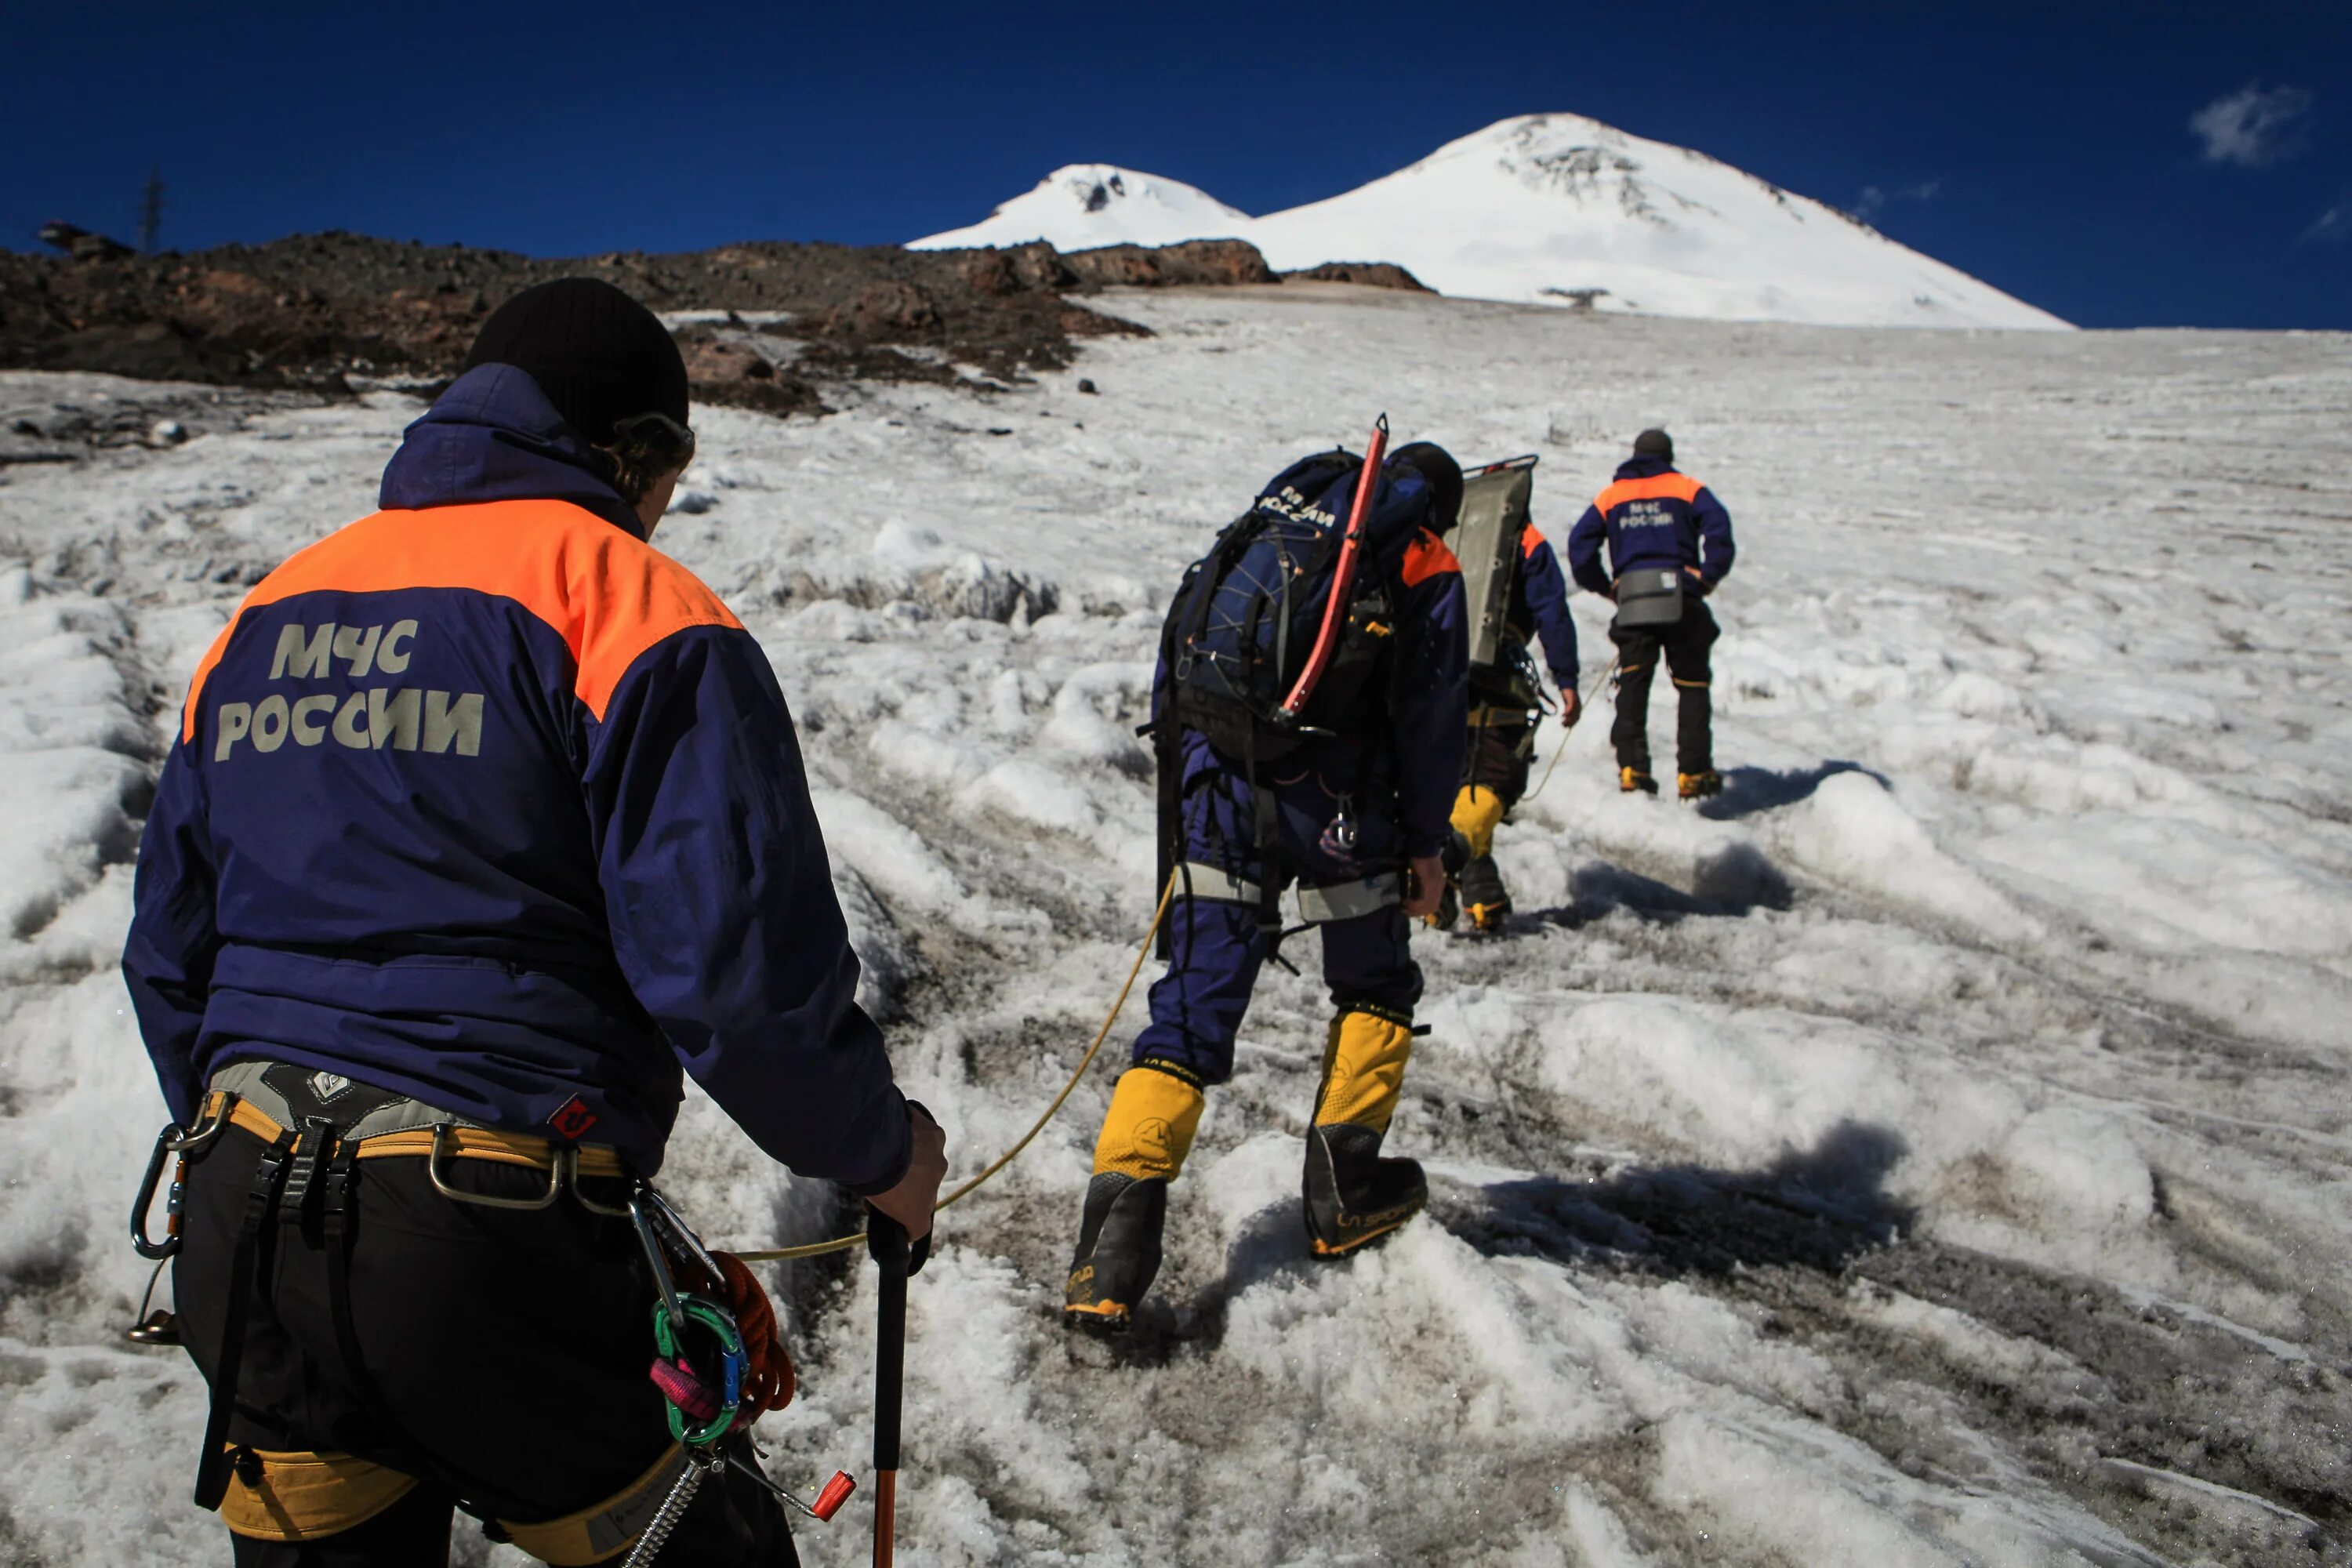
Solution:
(1147, 1131)
(1482, 897)
(1118, 1251)
(1352, 1195)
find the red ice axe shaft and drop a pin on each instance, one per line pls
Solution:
(1343, 575)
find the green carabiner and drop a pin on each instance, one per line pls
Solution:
(721, 1324)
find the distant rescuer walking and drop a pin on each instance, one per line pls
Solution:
(483, 818)
(1350, 805)
(1669, 544)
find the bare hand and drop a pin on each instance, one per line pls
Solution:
(1424, 882)
(1569, 708)
(918, 1192)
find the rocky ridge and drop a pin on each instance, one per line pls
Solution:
(340, 312)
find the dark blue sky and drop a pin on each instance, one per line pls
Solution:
(2047, 149)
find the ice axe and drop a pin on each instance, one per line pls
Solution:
(886, 1243)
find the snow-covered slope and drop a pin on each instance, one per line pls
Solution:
(1560, 209)
(1936, 1152)
(1081, 205)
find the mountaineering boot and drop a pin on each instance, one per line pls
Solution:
(1631, 779)
(1699, 786)
(1118, 1251)
(1482, 897)
(1352, 1195)
(1146, 1134)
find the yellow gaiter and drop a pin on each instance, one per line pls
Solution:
(1363, 1069)
(1477, 812)
(1148, 1131)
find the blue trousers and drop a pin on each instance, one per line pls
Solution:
(1216, 949)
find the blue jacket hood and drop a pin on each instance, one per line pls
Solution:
(493, 436)
(1644, 467)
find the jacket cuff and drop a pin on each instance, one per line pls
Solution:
(895, 1133)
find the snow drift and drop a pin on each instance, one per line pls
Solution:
(1548, 209)
(1935, 1151)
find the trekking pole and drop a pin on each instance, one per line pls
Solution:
(886, 1243)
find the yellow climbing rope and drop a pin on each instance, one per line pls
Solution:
(843, 1243)
(1570, 729)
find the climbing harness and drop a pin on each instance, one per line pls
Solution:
(702, 1411)
(717, 1363)
(843, 1243)
(1570, 729)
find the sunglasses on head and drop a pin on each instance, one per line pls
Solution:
(661, 438)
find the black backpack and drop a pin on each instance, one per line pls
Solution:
(1248, 615)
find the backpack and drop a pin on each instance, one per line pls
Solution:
(1248, 614)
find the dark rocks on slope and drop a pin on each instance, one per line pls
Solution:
(1191, 263)
(1367, 274)
(318, 312)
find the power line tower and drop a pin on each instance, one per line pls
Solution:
(151, 210)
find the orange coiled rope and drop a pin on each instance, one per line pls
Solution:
(768, 1383)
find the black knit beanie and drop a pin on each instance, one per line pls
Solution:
(1443, 475)
(597, 352)
(1655, 444)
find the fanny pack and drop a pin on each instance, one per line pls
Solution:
(1651, 596)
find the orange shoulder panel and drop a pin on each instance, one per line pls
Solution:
(1658, 487)
(1530, 541)
(1427, 557)
(607, 593)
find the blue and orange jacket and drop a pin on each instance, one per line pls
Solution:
(1652, 516)
(1410, 767)
(1540, 607)
(484, 800)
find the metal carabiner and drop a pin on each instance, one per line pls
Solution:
(441, 1130)
(684, 1233)
(171, 1141)
(658, 1260)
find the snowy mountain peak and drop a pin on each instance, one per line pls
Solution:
(1550, 209)
(1081, 205)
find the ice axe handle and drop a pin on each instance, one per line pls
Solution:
(886, 1243)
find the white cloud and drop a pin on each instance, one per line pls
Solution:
(1875, 198)
(2334, 226)
(2253, 126)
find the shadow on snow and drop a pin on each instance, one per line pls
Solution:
(1817, 1208)
(1746, 791)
